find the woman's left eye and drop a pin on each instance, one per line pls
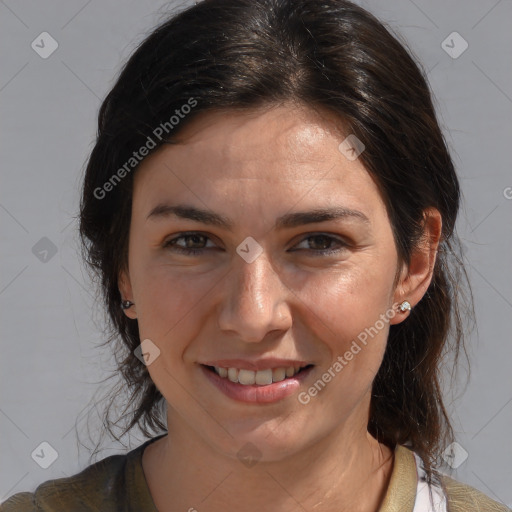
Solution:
(327, 244)
(322, 244)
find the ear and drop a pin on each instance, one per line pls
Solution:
(125, 289)
(416, 277)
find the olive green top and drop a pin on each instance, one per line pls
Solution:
(117, 483)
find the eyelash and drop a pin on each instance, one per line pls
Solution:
(171, 244)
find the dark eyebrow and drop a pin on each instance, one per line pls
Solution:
(289, 220)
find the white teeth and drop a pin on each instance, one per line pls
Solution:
(278, 374)
(264, 377)
(246, 377)
(260, 378)
(233, 374)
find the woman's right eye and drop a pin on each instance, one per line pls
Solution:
(191, 241)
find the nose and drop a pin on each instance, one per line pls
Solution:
(254, 303)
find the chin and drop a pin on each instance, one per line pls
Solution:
(264, 441)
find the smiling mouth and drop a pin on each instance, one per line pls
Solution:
(258, 378)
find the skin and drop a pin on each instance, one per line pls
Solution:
(252, 168)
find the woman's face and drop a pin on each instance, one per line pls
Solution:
(292, 264)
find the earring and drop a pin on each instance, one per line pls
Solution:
(404, 306)
(126, 304)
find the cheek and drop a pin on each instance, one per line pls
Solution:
(350, 321)
(349, 312)
(171, 303)
(169, 300)
(350, 299)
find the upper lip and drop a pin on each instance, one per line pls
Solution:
(255, 365)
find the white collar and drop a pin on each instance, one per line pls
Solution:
(423, 502)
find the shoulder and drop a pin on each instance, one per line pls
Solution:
(114, 483)
(449, 495)
(21, 502)
(92, 489)
(464, 498)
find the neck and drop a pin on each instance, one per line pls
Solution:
(346, 471)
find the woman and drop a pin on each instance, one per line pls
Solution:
(270, 205)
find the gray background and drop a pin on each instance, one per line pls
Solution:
(50, 321)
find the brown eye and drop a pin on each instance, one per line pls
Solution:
(192, 241)
(195, 243)
(322, 244)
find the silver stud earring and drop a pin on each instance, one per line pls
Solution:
(126, 304)
(404, 306)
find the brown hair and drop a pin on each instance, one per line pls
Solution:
(330, 55)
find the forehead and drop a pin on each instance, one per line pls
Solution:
(280, 133)
(276, 155)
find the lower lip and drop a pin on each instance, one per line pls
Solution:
(257, 394)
